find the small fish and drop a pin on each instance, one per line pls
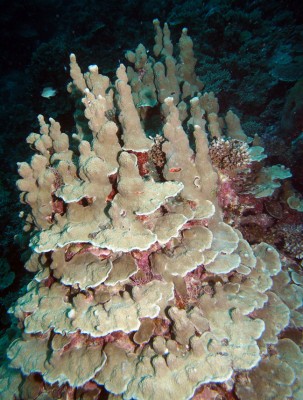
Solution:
(48, 92)
(175, 169)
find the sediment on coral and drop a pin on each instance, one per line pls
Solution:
(141, 289)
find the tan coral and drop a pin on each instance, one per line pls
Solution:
(276, 316)
(57, 367)
(84, 312)
(187, 65)
(234, 129)
(186, 256)
(122, 268)
(145, 331)
(207, 360)
(85, 270)
(180, 165)
(10, 381)
(133, 134)
(272, 376)
(141, 291)
(139, 196)
(280, 375)
(37, 184)
(290, 294)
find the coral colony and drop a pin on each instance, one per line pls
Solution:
(145, 288)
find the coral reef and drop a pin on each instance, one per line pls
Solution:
(141, 289)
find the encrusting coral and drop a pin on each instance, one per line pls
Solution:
(141, 289)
